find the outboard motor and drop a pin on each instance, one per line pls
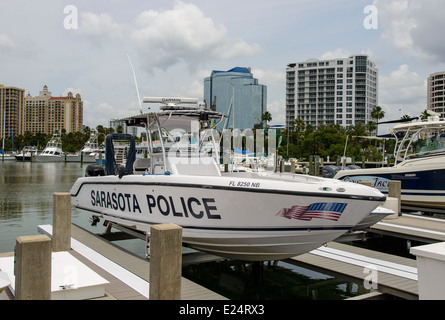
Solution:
(353, 167)
(330, 171)
(94, 170)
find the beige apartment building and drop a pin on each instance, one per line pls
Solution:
(45, 113)
(436, 93)
(11, 111)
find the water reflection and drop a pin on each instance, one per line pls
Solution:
(26, 196)
(270, 281)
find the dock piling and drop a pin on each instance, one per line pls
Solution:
(61, 239)
(32, 268)
(395, 191)
(165, 262)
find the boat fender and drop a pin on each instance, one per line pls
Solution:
(167, 173)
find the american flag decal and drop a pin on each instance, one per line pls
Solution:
(322, 210)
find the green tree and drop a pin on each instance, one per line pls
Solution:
(378, 114)
(405, 118)
(424, 115)
(299, 125)
(266, 117)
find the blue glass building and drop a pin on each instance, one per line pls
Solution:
(237, 94)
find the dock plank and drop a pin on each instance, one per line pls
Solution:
(387, 283)
(138, 265)
(412, 227)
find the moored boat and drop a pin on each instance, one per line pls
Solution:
(53, 150)
(5, 156)
(419, 166)
(244, 215)
(89, 151)
(28, 153)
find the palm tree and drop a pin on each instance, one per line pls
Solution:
(424, 115)
(266, 117)
(299, 125)
(405, 118)
(370, 127)
(377, 113)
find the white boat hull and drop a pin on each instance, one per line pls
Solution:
(78, 158)
(49, 158)
(7, 158)
(247, 218)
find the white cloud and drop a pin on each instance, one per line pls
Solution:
(336, 54)
(184, 34)
(278, 110)
(341, 53)
(73, 91)
(413, 27)
(99, 27)
(402, 92)
(269, 77)
(5, 42)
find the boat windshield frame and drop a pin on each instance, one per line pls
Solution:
(189, 121)
(407, 134)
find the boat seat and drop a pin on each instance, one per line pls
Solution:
(194, 166)
(141, 165)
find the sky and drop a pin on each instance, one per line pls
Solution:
(83, 47)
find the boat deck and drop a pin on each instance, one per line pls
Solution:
(392, 275)
(395, 275)
(412, 227)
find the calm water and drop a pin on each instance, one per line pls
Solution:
(26, 195)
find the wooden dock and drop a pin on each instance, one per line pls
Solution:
(396, 276)
(127, 273)
(412, 227)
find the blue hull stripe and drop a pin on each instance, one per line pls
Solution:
(422, 183)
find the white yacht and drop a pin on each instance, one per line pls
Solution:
(243, 215)
(53, 150)
(419, 165)
(28, 153)
(89, 151)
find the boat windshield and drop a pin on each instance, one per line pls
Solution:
(178, 132)
(420, 141)
(430, 144)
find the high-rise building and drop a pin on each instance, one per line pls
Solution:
(436, 93)
(237, 94)
(36, 112)
(45, 113)
(338, 91)
(11, 111)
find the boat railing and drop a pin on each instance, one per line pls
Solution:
(431, 146)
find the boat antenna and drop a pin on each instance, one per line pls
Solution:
(135, 83)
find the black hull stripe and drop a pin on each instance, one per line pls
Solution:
(214, 187)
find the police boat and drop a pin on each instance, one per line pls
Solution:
(253, 215)
(419, 164)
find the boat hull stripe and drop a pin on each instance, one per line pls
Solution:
(216, 187)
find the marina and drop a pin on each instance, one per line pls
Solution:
(396, 276)
(344, 265)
